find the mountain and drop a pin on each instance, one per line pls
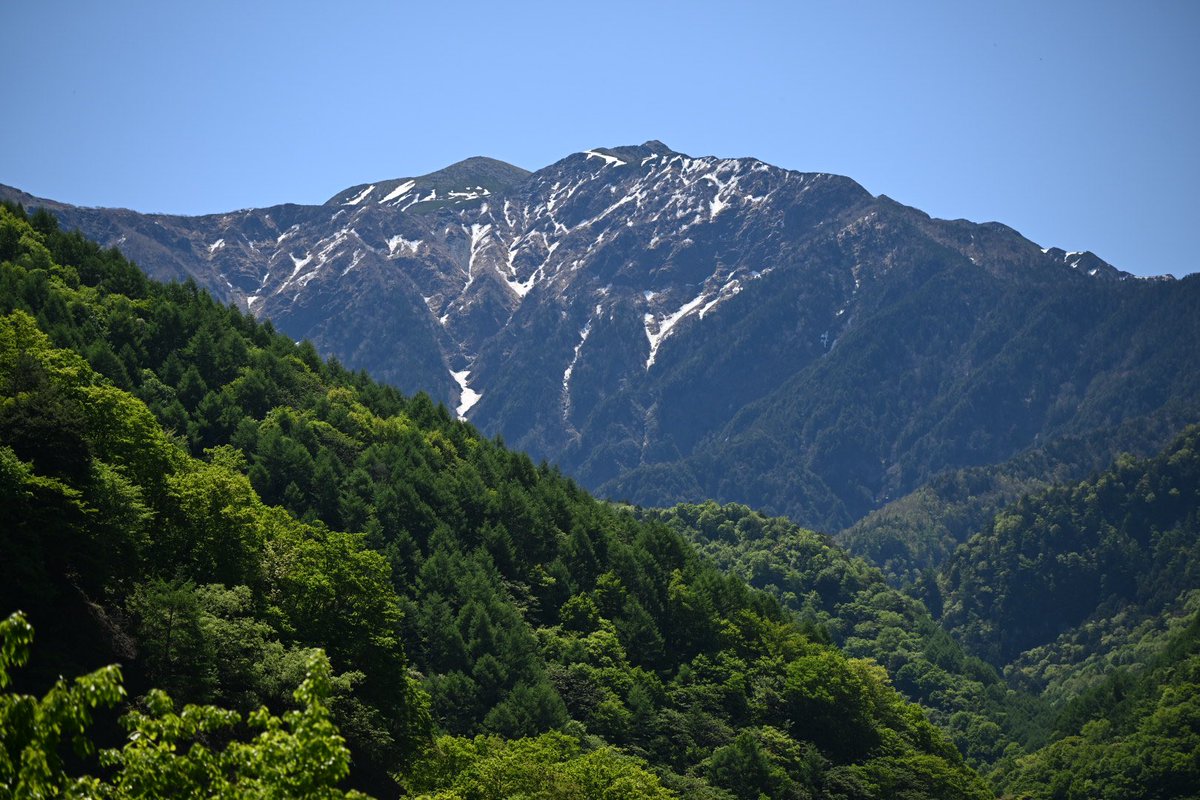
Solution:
(188, 492)
(290, 264)
(672, 328)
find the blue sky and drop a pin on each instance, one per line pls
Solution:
(1075, 123)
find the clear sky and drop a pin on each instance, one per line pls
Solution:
(1074, 122)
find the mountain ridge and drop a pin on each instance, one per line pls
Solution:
(626, 312)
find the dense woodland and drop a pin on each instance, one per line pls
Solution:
(1089, 595)
(315, 585)
(917, 533)
(1126, 539)
(1135, 734)
(1104, 708)
(208, 503)
(846, 601)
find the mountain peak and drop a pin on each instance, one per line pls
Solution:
(479, 167)
(633, 153)
(655, 146)
(462, 183)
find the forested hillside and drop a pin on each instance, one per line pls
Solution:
(911, 537)
(1127, 540)
(1136, 734)
(847, 601)
(1088, 594)
(1085, 595)
(204, 501)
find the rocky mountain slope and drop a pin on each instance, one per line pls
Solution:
(674, 328)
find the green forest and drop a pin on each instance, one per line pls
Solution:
(235, 569)
(1103, 704)
(846, 601)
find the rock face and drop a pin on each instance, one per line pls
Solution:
(666, 327)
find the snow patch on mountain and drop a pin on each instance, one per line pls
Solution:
(583, 335)
(629, 198)
(657, 329)
(479, 234)
(400, 244)
(469, 194)
(399, 192)
(467, 396)
(521, 288)
(355, 260)
(570, 370)
(360, 196)
(726, 291)
(300, 263)
(608, 160)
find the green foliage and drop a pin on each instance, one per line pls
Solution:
(553, 766)
(1087, 593)
(299, 754)
(1128, 537)
(764, 763)
(108, 519)
(167, 753)
(33, 731)
(848, 602)
(910, 537)
(1136, 735)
